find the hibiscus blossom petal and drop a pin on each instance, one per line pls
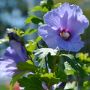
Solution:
(11, 54)
(7, 67)
(70, 9)
(52, 19)
(16, 50)
(64, 26)
(77, 24)
(49, 35)
(75, 44)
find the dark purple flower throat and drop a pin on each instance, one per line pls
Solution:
(65, 34)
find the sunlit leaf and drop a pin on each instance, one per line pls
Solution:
(38, 39)
(24, 66)
(86, 85)
(30, 31)
(57, 5)
(33, 19)
(39, 8)
(15, 78)
(83, 57)
(70, 86)
(68, 69)
(31, 46)
(43, 52)
(49, 78)
(74, 64)
(87, 68)
(19, 32)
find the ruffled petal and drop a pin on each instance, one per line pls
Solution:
(11, 54)
(46, 31)
(49, 35)
(77, 24)
(70, 9)
(7, 67)
(75, 44)
(52, 18)
(16, 51)
(19, 50)
(71, 16)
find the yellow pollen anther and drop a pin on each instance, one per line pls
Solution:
(65, 35)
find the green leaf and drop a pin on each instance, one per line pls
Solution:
(74, 64)
(57, 5)
(70, 56)
(87, 68)
(86, 85)
(25, 66)
(53, 61)
(30, 31)
(70, 86)
(33, 19)
(39, 38)
(39, 8)
(60, 74)
(49, 78)
(43, 52)
(68, 69)
(15, 78)
(32, 82)
(19, 32)
(83, 57)
(31, 46)
(42, 63)
(50, 4)
(29, 62)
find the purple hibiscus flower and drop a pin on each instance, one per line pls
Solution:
(14, 54)
(63, 27)
(7, 68)
(16, 51)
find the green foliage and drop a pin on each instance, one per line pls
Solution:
(86, 85)
(57, 5)
(49, 79)
(70, 86)
(26, 67)
(68, 69)
(60, 74)
(32, 45)
(43, 52)
(74, 64)
(83, 57)
(40, 8)
(30, 31)
(31, 83)
(48, 65)
(33, 19)
(15, 78)
(50, 4)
